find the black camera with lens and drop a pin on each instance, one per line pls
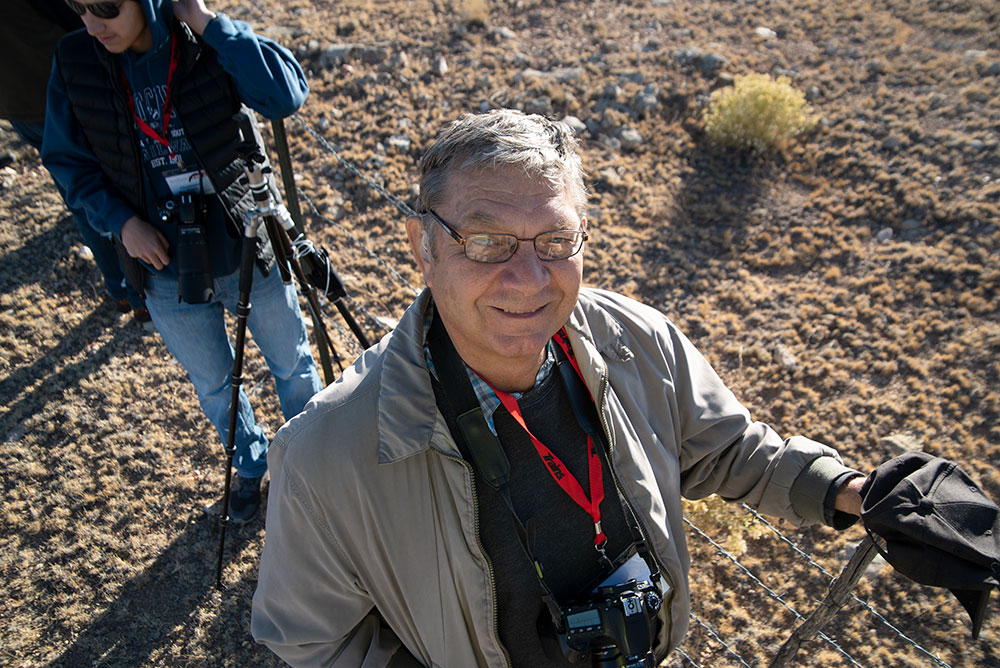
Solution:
(614, 626)
(194, 263)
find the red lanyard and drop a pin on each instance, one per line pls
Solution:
(161, 136)
(556, 468)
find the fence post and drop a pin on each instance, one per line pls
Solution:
(840, 590)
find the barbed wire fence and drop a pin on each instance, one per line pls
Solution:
(683, 654)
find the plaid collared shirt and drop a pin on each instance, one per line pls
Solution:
(488, 399)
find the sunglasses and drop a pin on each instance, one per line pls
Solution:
(102, 10)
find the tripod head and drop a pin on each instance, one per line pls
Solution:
(254, 164)
(315, 262)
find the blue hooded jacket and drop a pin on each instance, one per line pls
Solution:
(266, 77)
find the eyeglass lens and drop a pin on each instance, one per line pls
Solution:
(555, 245)
(102, 10)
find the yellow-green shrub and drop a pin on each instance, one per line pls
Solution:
(757, 114)
(727, 523)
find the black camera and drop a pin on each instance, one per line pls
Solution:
(317, 268)
(194, 263)
(615, 625)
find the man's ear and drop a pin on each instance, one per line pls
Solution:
(418, 243)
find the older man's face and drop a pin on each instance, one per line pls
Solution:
(500, 316)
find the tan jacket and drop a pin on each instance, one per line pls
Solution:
(372, 517)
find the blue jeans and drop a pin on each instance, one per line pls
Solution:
(195, 334)
(100, 245)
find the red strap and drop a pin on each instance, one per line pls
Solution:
(161, 136)
(557, 469)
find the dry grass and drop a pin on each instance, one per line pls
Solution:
(779, 270)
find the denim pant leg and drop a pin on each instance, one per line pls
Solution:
(279, 331)
(195, 334)
(100, 244)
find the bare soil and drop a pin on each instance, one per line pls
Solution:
(845, 288)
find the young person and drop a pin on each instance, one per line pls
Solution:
(140, 130)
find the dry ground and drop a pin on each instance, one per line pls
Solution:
(846, 289)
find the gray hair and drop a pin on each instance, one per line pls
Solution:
(544, 149)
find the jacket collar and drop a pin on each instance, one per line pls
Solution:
(409, 422)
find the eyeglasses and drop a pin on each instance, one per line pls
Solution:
(102, 10)
(496, 247)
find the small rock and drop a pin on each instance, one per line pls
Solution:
(765, 33)
(575, 124)
(901, 443)
(910, 224)
(630, 138)
(334, 55)
(501, 34)
(84, 253)
(891, 143)
(539, 105)
(973, 55)
(398, 144)
(440, 66)
(784, 357)
(612, 92)
(7, 177)
(712, 62)
(884, 235)
(813, 93)
(643, 103)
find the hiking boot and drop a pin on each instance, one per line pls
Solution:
(244, 499)
(141, 316)
(122, 306)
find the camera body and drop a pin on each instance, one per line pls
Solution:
(194, 263)
(615, 626)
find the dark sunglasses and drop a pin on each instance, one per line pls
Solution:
(102, 10)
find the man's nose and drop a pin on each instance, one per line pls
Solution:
(524, 269)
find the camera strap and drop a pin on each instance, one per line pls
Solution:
(477, 442)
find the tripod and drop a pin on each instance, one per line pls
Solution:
(277, 224)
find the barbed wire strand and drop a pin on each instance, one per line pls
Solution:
(864, 604)
(407, 210)
(685, 657)
(770, 592)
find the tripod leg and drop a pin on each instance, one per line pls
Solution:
(242, 314)
(353, 324)
(324, 344)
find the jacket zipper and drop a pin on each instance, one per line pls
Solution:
(602, 394)
(482, 550)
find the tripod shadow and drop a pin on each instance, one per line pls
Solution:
(156, 610)
(25, 265)
(41, 373)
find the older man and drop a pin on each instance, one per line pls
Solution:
(542, 523)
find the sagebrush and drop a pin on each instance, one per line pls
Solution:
(757, 114)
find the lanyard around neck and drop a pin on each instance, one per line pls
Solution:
(161, 136)
(554, 465)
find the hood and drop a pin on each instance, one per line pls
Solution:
(159, 16)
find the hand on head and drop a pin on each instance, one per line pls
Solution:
(194, 13)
